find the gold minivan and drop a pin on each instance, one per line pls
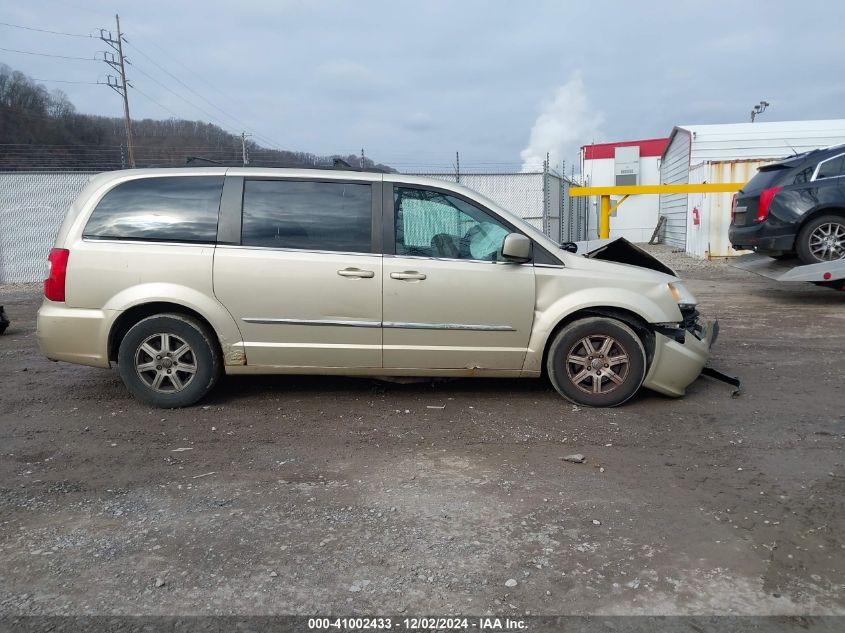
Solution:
(181, 275)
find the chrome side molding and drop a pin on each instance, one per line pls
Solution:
(329, 322)
(447, 326)
(387, 324)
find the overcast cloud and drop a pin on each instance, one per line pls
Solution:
(501, 82)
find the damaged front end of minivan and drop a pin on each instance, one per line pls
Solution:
(622, 251)
(618, 280)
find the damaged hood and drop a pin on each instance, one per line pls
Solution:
(621, 251)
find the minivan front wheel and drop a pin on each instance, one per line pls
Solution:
(168, 361)
(596, 361)
(822, 239)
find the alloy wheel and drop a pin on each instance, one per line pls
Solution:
(827, 242)
(597, 364)
(165, 363)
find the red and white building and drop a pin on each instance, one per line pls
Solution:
(625, 163)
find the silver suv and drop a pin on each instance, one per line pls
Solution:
(179, 276)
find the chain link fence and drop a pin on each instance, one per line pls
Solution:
(540, 198)
(33, 205)
(523, 194)
(574, 223)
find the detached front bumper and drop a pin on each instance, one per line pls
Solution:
(676, 364)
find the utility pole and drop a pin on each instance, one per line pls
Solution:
(363, 163)
(244, 150)
(118, 84)
(457, 167)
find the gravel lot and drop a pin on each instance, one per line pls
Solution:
(303, 495)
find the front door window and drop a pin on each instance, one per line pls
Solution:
(433, 224)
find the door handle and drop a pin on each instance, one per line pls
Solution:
(356, 273)
(408, 275)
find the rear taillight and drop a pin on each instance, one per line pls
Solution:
(766, 197)
(54, 285)
(733, 208)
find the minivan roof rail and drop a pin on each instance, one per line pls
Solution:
(190, 160)
(337, 164)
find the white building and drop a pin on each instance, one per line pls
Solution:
(732, 152)
(625, 163)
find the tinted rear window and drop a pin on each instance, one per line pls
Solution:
(323, 216)
(166, 209)
(765, 179)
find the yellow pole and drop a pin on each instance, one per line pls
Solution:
(604, 218)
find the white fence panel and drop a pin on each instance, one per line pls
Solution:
(32, 207)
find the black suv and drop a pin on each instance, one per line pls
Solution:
(794, 207)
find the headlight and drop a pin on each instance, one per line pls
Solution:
(681, 294)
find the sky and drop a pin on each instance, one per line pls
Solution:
(412, 83)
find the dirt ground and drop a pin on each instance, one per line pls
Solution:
(304, 495)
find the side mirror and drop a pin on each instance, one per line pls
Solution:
(569, 247)
(516, 247)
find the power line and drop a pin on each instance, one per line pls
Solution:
(29, 28)
(109, 149)
(120, 40)
(13, 50)
(190, 103)
(213, 105)
(149, 98)
(123, 39)
(64, 81)
(234, 118)
(257, 134)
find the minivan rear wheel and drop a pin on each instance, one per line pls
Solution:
(169, 360)
(822, 239)
(597, 362)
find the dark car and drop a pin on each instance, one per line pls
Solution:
(794, 207)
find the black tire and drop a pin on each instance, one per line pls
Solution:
(804, 247)
(195, 369)
(570, 379)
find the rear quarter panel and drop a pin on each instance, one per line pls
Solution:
(792, 206)
(115, 276)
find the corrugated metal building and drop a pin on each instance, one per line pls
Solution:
(730, 152)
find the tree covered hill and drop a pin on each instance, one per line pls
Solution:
(41, 129)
